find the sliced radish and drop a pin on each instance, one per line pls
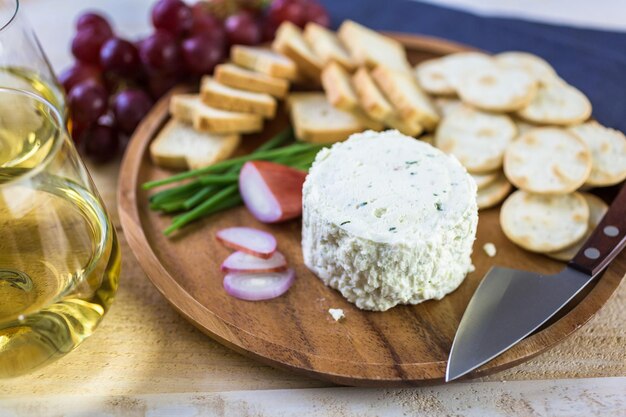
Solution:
(246, 239)
(243, 262)
(256, 287)
(272, 192)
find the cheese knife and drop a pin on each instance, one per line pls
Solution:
(509, 304)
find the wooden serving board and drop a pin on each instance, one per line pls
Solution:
(406, 345)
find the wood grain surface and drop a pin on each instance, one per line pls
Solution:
(405, 345)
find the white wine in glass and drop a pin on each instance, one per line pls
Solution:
(23, 65)
(59, 257)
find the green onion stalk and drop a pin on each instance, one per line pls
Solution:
(208, 190)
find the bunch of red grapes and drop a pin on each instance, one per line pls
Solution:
(114, 81)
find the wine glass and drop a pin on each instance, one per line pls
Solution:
(23, 65)
(59, 256)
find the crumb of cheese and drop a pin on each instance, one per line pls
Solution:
(336, 313)
(490, 249)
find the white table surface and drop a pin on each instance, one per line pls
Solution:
(580, 397)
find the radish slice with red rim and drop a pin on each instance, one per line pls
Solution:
(243, 262)
(246, 239)
(257, 287)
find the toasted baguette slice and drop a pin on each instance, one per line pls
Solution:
(338, 87)
(371, 49)
(264, 61)
(408, 98)
(180, 146)
(189, 108)
(406, 127)
(316, 120)
(223, 97)
(245, 79)
(327, 46)
(290, 42)
(370, 97)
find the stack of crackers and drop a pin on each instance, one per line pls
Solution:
(206, 127)
(367, 80)
(512, 121)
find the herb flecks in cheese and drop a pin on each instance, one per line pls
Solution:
(411, 242)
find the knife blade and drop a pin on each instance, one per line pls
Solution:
(509, 304)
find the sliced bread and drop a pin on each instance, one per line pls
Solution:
(316, 120)
(290, 42)
(370, 97)
(402, 90)
(327, 46)
(220, 96)
(338, 87)
(245, 79)
(371, 49)
(189, 108)
(264, 61)
(406, 127)
(180, 146)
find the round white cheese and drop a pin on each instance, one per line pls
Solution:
(388, 220)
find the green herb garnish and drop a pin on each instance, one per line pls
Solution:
(214, 188)
(346, 222)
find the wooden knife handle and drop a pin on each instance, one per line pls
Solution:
(606, 241)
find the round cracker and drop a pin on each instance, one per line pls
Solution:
(608, 153)
(476, 138)
(534, 65)
(458, 64)
(547, 160)
(483, 180)
(493, 193)
(431, 76)
(544, 223)
(597, 210)
(557, 104)
(498, 89)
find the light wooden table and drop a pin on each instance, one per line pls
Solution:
(146, 360)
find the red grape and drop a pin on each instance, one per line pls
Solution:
(242, 29)
(161, 53)
(315, 12)
(173, 16)
(87, 43)
(293, 11)
(78, 73)
(129, 107)
(94, 20)
(201, 54)
(87, 102)
(205, 23)
(268, 29)
(120, 57)
(159, 84)
(100, 143)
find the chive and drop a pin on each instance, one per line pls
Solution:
(197, 198)
(203, 209)
(263, 155)
(211, 179)
(346, 222)
(181, 190)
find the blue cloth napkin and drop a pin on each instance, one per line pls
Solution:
(592, 60)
